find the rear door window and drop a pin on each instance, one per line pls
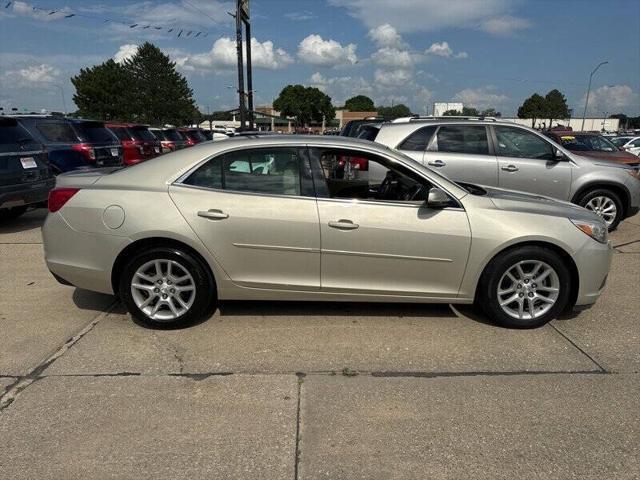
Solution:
(418, 140)
(470, 139)
(57, 132)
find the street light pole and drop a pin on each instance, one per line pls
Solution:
(586, 102)
(64, 102)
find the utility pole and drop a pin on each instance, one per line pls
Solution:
(240, 67)
(586, 102)
(242, 19)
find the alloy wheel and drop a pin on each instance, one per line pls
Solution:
(528, 289)
(605, 207)
(163, 289)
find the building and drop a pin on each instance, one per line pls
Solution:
(344, 116)
(440, 107)
(590, 124)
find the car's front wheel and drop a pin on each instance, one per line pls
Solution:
(605, 203)
(525, 287)
(167, 286)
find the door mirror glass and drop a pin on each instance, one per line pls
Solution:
(559, 156)
(438, 198)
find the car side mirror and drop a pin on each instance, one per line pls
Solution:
(559, 156)
(438, 198)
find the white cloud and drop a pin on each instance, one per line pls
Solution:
(386, 36)
(430, 15)
(125, 52)
(505, 25)
(341, 88)
(223, 56)
(27, 10)
(327, 53)
(483, 97)
(392, 78)
(299, 16)
(392, 57)
(442, 49)
(34, 74)
(611, 99)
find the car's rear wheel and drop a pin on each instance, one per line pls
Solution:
(167, 286)
(11, 213)
(605, 203)
(525, 287)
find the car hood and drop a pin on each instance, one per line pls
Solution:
(619, 156)
(514, 201)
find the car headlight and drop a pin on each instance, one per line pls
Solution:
(596, 230)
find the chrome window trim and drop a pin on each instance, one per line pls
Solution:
(241, 192)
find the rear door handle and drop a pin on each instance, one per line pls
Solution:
(510, 168)
(437, 163)
(213, 214)
(343, 224)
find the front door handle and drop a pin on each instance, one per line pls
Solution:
(213, 214)
(510, 168)
(343, 224)
(437, 163)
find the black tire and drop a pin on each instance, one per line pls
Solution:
(205, 300)
(487, 296)
(12, 213)
(605, 192)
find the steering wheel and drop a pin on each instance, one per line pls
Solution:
(385, 187)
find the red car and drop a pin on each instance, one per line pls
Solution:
(594, 145)
(138, 142)
(192, 135)
(170, 138)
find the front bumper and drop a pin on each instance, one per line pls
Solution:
(26, 193)
(593, 261)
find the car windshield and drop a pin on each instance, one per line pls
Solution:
(143, 133)
(584, 143)
(94, 132)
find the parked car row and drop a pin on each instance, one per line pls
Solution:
(582, 168)
(35, 148)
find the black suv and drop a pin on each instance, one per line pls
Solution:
(74, 144)
(25, 178)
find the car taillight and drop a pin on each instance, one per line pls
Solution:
(168, 146)
(59, 196)
(86, 150)
(358, 163)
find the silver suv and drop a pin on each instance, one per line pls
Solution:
(510, 156)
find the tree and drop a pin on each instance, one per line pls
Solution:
(466, 112)
(359, 103)
(555, 106)
(533, 108)
(160, 94)
(104, 92)
(306, 104)
(390, 113)
(146, 89)
(490, 112)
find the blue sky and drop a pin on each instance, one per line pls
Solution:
(485, 53)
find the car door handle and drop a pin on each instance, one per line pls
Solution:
(344, 225)
(213, 214)
(437, 163)
(510, 168)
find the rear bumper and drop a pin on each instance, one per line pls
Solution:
(26, 193)
(80, 258)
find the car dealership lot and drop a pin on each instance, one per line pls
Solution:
(344, 390)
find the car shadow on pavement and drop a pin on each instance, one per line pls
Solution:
(94, 301)
(30, 220)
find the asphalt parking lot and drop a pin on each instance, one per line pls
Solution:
(310, 390)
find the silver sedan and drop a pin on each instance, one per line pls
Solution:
(300, 218)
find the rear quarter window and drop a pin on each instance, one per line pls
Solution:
(418, 140)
